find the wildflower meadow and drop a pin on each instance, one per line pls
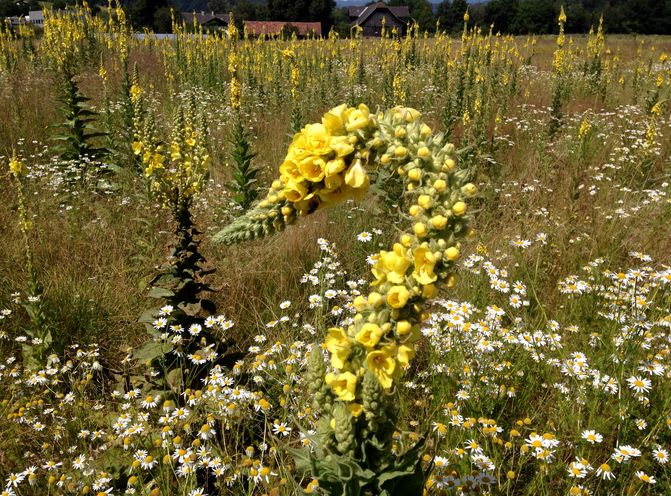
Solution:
(264, 265)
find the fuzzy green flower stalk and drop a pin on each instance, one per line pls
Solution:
(34, 352)
(559, 90)
(243, 184)
(326, 163)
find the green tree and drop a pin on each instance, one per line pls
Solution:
(288, 10)
(245, 10)
(340, 22)
(219, 6)
(421, 11)
(501, 13)
(162, 21)
(536, 16)
(322, 10)
(451, 15)
(141, 13)
(9, 8)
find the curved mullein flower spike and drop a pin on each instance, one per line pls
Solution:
(326, 163)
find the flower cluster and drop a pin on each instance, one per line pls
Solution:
(178, 172)
(325, 162)
(381, 339)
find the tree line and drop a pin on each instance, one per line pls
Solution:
(506, 16)
(540, 16)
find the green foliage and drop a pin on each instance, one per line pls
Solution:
(78, 132)
(421, 11)
(296, 122)
(120, 127)
(36, 350)
(451, 15)
(302, 10)
(347, 467)
(180, 289)
(149, 14)
(243, 185)
(9, 8)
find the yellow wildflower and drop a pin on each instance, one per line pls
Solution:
(398, 296)
(369, 335)
(382, 365)
(16, 167)
(338, 345)
(343, 385)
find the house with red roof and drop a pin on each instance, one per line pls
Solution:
(211, 21)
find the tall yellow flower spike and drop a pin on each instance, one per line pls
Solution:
(333, 160)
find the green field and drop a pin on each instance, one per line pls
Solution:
(188, 224)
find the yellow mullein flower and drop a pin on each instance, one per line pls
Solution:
(295, 191)
(358, 119)
(425, 262)
(312, 168)
(403, 327)
(334, 120)
(343, 385)
(137, 147)
(331, 183)
(16, 167)
(404, 354)
(398, 296)
(317, 139)
(289, 171)
(334, 166)
(369, 335)
(382, 365)
(341, 146)
(135, 92)
(459, 208)
(355, 409)
(392, 266)
(356, 176)
(338, 345)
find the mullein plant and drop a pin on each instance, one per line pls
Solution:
(559, 77)
(354, 394)
(243, 184)
(176, 173)
(36, 350)
(65, 45)
(294, 78)
(594, 63)
(10, 48)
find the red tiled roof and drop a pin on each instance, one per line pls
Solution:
(275, 27)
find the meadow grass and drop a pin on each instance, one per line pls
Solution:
(559, 325)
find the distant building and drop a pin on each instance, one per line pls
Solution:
(370, 18)
(14, 21)
(36, 17)
(210, 21)
(303, 29)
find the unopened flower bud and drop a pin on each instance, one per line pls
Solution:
(439, 222)
(469, 189)
(415, 174)
(459, 208)
(452, 253)
(420, 229)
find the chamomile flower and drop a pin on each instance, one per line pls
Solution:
(639, 385)
(660, 455)
(365, 237)
(591, 437)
